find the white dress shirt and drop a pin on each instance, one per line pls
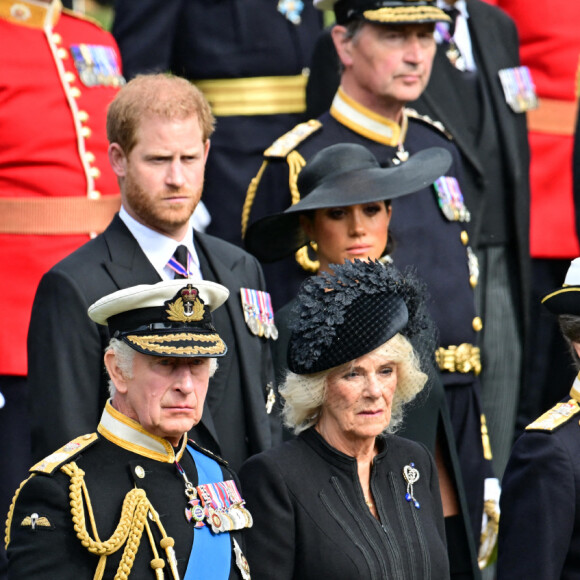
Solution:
(159, 248)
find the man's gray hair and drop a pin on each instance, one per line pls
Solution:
(304, 395)
(125, 355)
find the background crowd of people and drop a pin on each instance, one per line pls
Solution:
(432, 136)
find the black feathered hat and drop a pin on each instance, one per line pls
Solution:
(342, 316)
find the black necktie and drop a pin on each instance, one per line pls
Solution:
(453, 13)
(452, 50)
(180, 255)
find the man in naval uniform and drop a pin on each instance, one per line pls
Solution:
(481, 95)
(386, 50)
(539, 535)
(137, 498)
(159, 129)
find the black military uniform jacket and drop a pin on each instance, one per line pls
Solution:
(65, 348)
(50, 529)
(495, 46)
(539, 529)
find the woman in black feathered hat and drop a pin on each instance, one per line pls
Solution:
(347, 498)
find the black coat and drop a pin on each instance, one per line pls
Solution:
(110, 472)
(229, 39)
(311, 520)
(66, 374)
(495, 46)
(426, 421)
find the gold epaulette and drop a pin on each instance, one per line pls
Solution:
(428, 121)
(289, 141)
(65, 454)
(557, 416)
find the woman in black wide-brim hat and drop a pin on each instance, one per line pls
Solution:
(344, 213)
(347, 498)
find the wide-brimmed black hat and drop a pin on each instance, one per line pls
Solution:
(171, 318)
(566, 300)
(385, 11)
(341, 175)
(342, 316)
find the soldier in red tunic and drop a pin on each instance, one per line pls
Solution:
(59, 72)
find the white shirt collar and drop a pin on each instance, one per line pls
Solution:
(159, 248)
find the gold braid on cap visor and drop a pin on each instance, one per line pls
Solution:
(153, 343)
(407, 14)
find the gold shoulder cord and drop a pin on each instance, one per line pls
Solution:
(250, 196)
(295, 164)
(11, 513)
(136, 507)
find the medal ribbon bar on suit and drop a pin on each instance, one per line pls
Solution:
(518, 88)
(258, 312)
(201, 565)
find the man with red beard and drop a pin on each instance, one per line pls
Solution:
(158, 129)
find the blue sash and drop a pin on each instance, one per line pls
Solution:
(211, 554)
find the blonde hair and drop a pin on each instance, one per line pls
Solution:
(158, 95)
(304, 395)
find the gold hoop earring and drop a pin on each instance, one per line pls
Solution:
(305, 261)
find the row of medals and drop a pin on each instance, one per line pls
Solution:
(260, 327)
(234, 517)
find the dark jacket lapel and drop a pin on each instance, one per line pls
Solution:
(224, 271)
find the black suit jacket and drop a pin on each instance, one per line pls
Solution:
(67, 381)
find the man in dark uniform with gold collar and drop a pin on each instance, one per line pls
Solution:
(386, 48)
(539, 534)
(138, 499)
